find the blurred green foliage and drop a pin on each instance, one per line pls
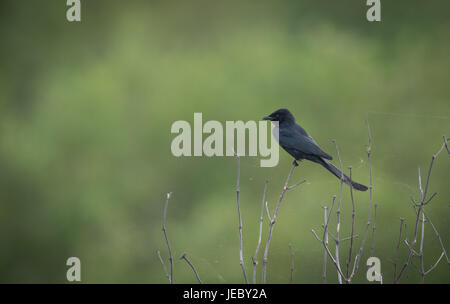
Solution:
(86, 110)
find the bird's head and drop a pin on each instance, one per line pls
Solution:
(281, 115)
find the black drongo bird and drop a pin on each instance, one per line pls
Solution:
(298, 143)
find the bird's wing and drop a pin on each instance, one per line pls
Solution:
(302, 143)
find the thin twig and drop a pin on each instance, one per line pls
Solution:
(355, 236)
(435, 264)
(163, 228)
(444, 252)
(296, 184)
(439, 237)
(408, 270)
(341, 239)
(184, 257)
(315, 235)
(241, 255)
(273, 220)
(291, 254)
(398, 247)
(411, 248)
(422, 199)
(374, 227)
(255, 256)
(353, 225)
(324, 273)
(431, 197)
(337, 242)
(268, 212)
(325, 231)
(163, 265)
(338, 211)
(445, 144)
(423, 194)
(361, 248)
(422, 268)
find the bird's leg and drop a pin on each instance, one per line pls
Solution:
(294, 163)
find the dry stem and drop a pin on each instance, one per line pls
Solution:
(163, 228)
(274, 217)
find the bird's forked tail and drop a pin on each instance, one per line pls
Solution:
(338, 173)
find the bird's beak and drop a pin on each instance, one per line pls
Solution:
(267, 117)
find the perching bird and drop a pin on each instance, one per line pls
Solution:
(298, 143)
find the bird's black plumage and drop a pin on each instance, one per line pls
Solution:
(298, 143)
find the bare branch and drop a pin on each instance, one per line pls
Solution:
(325, 245)
(411, 248)
(423, 200)
(342, 239)
(374, 227)
(184, 257)
(431, 197)
(273, 220)
(163, 265)
(255, 256)
(445, 143)
(163, 228)
(335, 262)
(337, 242)
(268, 213)
(355, 236)
(291, 254)
(353, 225)
(296, 184)
(361, 248)
(438, 237)
(435, 264)
(422, 270)
(241, 255)
(315, 234)
(338, 212)
(324, 273)
(398, 247)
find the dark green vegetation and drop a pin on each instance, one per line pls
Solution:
(86, 110)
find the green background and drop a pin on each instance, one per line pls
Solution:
(86, 110)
